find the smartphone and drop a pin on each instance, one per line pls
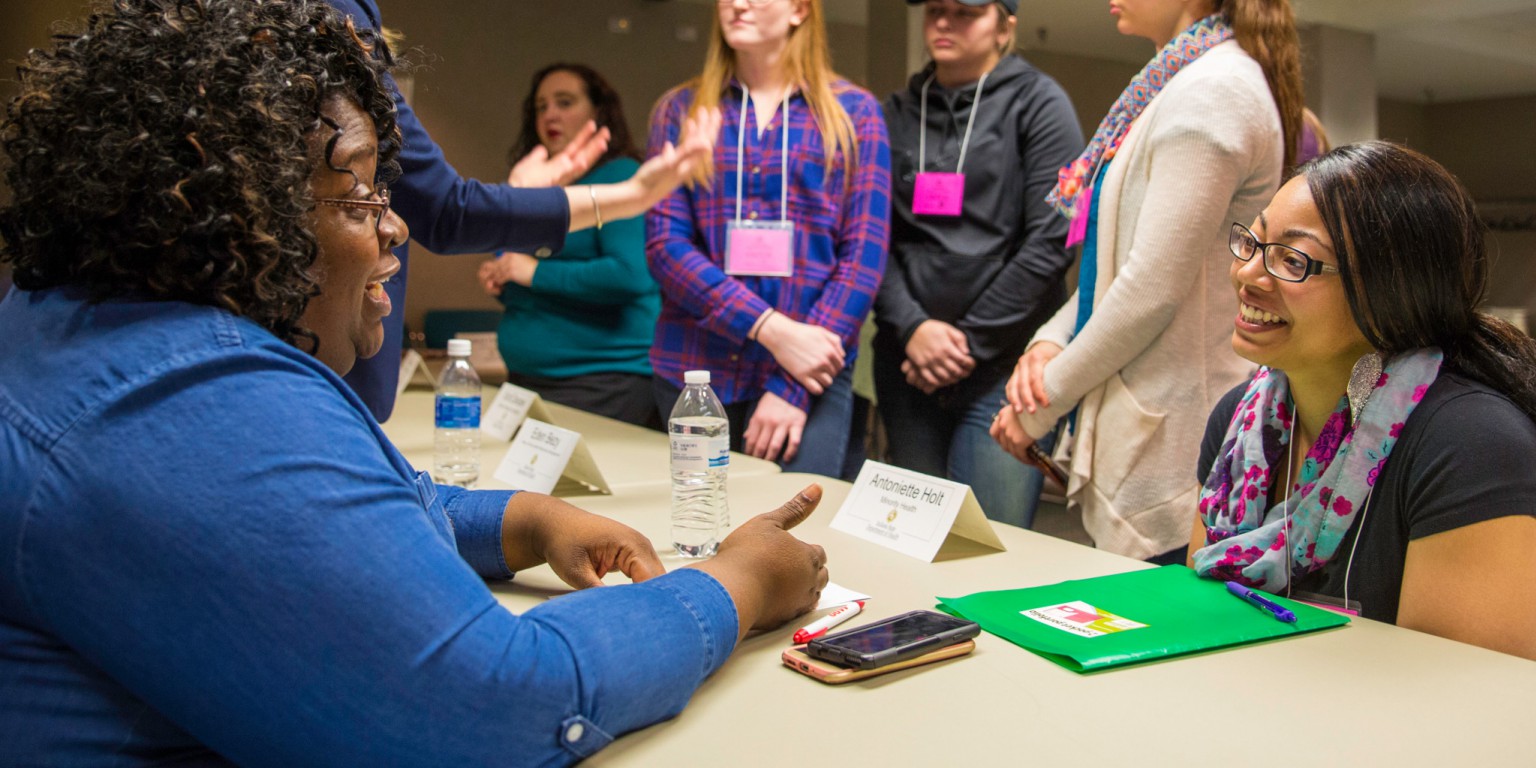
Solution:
(831, 674)
(892, 640)
(1048, 465)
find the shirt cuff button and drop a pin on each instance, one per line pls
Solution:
(542, 253)
(574, 733)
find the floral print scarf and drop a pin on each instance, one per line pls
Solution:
(1301, 533)
(1072, 181)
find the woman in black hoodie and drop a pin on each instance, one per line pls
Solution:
(977, 256)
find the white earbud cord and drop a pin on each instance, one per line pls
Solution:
(1290, 481)
(1285, 506)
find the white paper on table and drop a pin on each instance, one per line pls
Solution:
(835, 594)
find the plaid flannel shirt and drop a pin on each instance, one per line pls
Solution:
(842, 226)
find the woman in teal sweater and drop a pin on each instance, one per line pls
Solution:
(578, 324)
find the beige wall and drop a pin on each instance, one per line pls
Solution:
(475, 65)
(1403, 122)
(1092, 84)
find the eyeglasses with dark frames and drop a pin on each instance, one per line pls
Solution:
(379, 206)
(1281, 261)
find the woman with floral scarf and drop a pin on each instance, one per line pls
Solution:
(1380, 460)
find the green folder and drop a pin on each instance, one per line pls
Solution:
(1129, 618)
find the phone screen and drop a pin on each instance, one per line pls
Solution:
(904, 630)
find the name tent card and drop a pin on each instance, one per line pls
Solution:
(542, 453)
(413, 370)
(912, 513)
(507, 411)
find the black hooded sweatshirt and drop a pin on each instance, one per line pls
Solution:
(996, 271)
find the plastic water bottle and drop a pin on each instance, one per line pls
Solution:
(700, 457)
(456, 444)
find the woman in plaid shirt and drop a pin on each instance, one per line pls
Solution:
(769, 261)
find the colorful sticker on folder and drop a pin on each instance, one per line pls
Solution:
(1081, 619)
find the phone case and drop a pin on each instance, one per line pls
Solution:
(830, 648)
(831, 674)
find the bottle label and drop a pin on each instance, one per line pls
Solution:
(698, 453)
(458, 412)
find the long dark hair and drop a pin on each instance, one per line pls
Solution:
(1411, 255)
(605, 101)
(165, 151)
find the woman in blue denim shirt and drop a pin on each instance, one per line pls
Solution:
(212, 553)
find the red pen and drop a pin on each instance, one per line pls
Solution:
(820, 626)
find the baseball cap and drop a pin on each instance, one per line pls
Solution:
(1011, 5)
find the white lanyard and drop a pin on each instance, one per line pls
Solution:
(922, 126)
(741, 148)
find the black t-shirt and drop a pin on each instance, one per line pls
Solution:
(1465, 456)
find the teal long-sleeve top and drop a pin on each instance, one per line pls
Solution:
(592, 306)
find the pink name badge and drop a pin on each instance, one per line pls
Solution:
(938, 194)
(1077, 231)
(760, 248)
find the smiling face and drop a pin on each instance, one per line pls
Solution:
(1300, 328)
(355, 258)
(960, 34)
(561, 107)
(760, 29)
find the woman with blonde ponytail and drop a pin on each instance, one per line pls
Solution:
(769, 261)
(1139, 355)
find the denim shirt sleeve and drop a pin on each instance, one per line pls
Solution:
(229, 541)
(474, 519)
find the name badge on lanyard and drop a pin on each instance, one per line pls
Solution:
(761, 248)
(941, 194)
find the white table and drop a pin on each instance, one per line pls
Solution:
(628, 456)
(1366, 694)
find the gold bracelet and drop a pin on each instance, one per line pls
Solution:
(597, 210)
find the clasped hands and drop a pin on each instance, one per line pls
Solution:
(1026, 392)
(938, 355)
(771, 575)
(810, 354)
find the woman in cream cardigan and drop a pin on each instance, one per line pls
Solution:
(1140, 354)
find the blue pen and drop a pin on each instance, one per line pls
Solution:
(1251, 595)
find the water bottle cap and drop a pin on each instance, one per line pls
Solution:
(459, 347)
(696, 377)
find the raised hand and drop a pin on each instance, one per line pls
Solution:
(538, 169)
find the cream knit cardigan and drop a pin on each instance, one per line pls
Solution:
(1157, 354)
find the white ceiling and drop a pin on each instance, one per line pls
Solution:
(1426, 50)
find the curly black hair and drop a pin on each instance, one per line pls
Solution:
(165, 152)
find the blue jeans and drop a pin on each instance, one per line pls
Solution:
(946, 435)
(823, 442)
